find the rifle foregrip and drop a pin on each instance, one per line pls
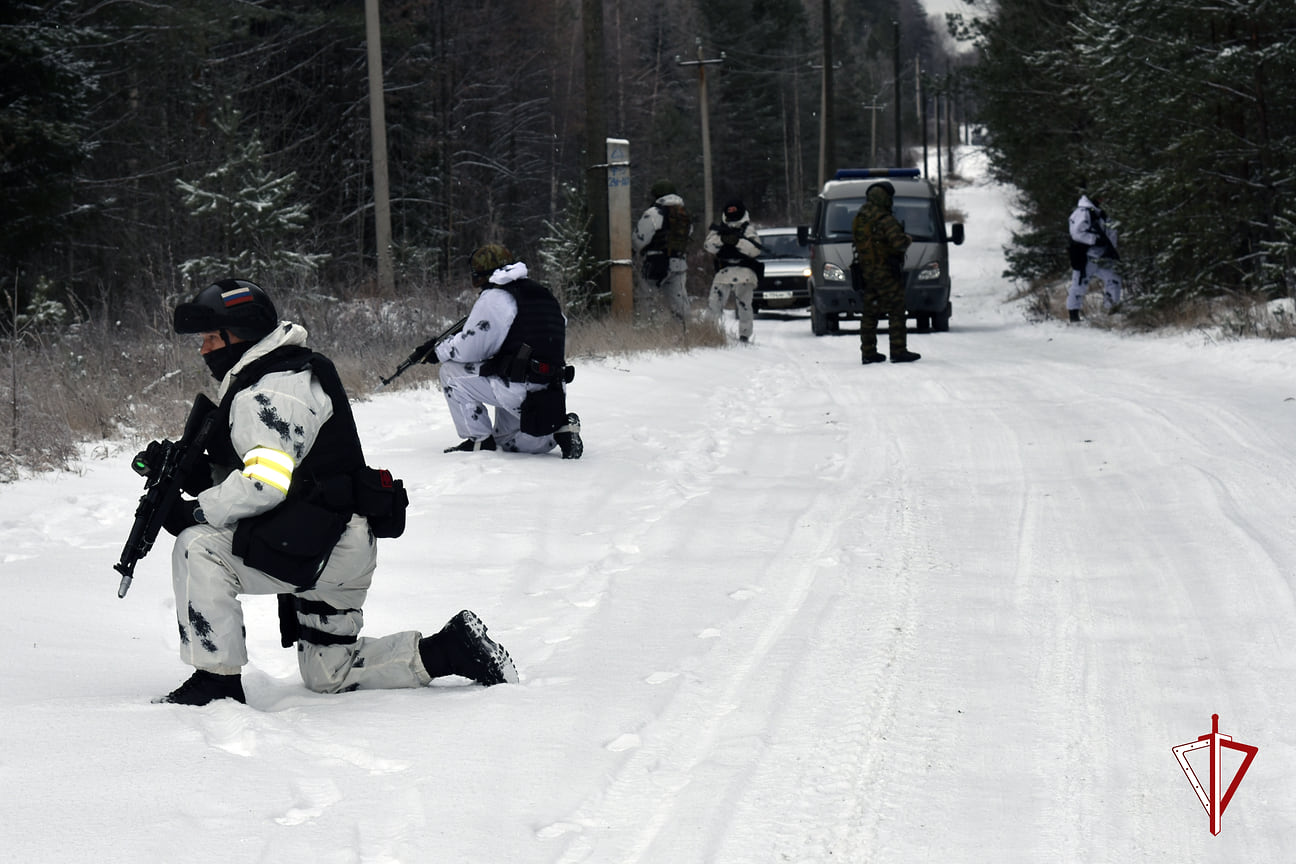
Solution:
(163, 489)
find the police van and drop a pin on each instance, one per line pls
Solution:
(917, 206)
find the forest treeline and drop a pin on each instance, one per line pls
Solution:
(148, 146)
(1176, 113)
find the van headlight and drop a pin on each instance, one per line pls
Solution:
(930, 272)
(833, 273)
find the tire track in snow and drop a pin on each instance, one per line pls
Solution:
(712, 744)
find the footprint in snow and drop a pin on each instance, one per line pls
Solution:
(557, 829)
(227, 726)
(314, 796)
(628, 741)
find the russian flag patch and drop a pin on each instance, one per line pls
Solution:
(235, 297)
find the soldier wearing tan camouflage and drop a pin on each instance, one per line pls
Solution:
(880, 245)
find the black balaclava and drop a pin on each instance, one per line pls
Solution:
(222, 360)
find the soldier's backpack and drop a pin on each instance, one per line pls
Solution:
(670, 241)
(676, 228)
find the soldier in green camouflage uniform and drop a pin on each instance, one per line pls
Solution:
(880, 245)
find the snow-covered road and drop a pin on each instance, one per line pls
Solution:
(787, 608)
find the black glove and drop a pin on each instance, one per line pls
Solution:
(147, 462)
(199, 477)
(183, 515)
(427, 352)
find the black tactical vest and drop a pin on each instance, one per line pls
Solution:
(539, 323)
(336, 451)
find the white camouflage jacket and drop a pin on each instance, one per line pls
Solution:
(651, 222)
(1088, 224)
(488, 322)
(272, 425)
(748, 243)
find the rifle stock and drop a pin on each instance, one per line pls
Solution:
(162, 488)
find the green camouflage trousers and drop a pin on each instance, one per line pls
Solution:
(883, 297)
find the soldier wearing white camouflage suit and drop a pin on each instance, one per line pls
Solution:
(278, 474)
(480, 364)
(735, 244)
(1092, 253)
(660, 239)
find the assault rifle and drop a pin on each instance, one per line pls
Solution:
(163, 480)
(1107, 244)
(422, 352)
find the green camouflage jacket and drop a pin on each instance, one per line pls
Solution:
(879, 241)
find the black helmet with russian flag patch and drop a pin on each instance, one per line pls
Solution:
(235, 305)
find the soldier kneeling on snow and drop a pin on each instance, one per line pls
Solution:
(509, 354)
(280, 509)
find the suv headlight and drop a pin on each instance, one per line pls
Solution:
(833, 273)
(930, 273)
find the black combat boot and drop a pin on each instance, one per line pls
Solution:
(462, 647)
(568, 438)
(874, 357)
(470, 445)
(204, 687)
(1074, 315)
(905, 356)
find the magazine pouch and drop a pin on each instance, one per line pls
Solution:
(380, 498)
(544, 411)
(290, 542)
(655, 266)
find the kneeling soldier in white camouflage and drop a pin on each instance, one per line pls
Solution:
(281, 508)
(509, 354)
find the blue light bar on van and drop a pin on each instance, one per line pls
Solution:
(865, 173)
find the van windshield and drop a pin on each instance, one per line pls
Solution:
(918, 216)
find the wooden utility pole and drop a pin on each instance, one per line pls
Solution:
(899, 157)
(922, 113)
(621, 263)
(873, 110)
(949, 118)
(596, 192)
(378, 134)
(708, 195)
(827, 130)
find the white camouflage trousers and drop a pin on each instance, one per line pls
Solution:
(1095, 268)
(208, 579)
(671, 292)
(741, 282)
(467, 394)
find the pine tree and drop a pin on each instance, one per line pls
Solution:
(1195, 128)
(251, 211)
(45, 96)
(1173, 111)
(566, 257)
